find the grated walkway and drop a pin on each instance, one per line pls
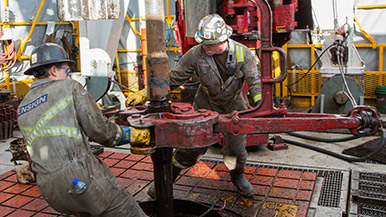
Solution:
(279, 192)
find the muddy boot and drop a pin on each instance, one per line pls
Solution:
(175, 171)
(242, 184)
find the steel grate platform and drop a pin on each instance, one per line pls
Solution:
(279, 191)
(369, 194)
(331, 189)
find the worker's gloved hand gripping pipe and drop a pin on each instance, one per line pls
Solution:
(134, 135)
(137, 98)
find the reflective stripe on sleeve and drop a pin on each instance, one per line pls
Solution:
(177, 164)
(257, 98)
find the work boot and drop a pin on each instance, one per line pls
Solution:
(242, 184)
(175, 171)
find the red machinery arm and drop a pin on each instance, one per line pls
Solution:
(183, 127)
(357, 120)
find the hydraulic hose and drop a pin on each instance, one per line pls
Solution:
(340, 156)
(320, 56)
(323, 139)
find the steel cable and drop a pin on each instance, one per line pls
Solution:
(342, 70)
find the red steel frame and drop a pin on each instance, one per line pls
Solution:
(245, 17)
(177, 125)
(185, 128)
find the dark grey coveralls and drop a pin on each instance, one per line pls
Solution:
(217, 95)
(57, 119)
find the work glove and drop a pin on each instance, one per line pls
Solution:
(135, 135)
(136, 98)
(257, 99)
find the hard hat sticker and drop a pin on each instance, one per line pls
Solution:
(34, 58)
(207, 35)
(198, 39)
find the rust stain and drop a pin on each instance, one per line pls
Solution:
(246, 201)
(281, 209)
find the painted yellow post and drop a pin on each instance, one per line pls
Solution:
(118, 70)
(313, 79)
(276, 71)
(76, 34)
(284, 89)
(381, 64)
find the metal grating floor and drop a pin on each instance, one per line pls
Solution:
(331, 189)
(280, 191)
(369, 194)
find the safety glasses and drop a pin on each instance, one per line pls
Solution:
(68, 70)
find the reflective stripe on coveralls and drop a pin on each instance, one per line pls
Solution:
(178, 165)
(239, 53)
(39, 130)
(257, 98)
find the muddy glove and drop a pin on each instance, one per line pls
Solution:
(137, 98)
(257, 99)
(134, 135)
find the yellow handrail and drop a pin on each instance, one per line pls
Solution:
(118, 69)
(365, 33)
(37, 23)
(370, 6)
(21, 48)
(132, 27)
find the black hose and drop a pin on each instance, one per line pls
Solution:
(322, 139)
(293, 83)
(124, 87)
(340, 156)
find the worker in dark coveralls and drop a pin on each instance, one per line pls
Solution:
(57, 118)
(222, 65)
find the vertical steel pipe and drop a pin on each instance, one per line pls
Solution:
(157, 59)
(266, 54)
(163, 182)
(157, 75)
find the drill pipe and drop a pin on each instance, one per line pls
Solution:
(157, 90)
(157, 59)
